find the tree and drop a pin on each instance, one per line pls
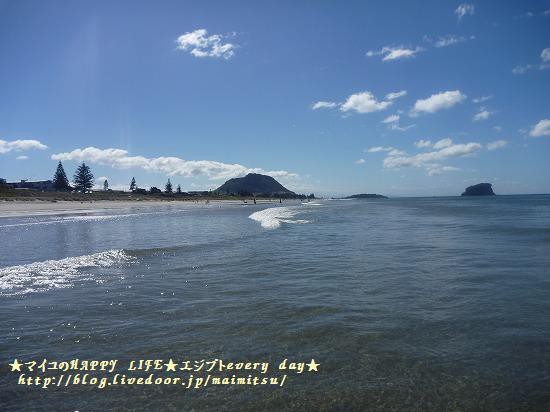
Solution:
(133, 185)
(155, 190)
(60, 180)
(178, 190)
(83, 178)
(168, 187)
(105, 185)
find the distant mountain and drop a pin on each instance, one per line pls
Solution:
(481, 189)
(254, 184)
(366, 196)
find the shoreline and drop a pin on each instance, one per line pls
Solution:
(21, 208)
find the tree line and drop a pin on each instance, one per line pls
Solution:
(83, 181)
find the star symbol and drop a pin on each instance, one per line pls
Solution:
(171, 365)
(16, 366)
(313, 366)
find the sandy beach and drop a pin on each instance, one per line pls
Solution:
(39, 207)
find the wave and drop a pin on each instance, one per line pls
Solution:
(51, 274)
(272, 218)
(85, 218)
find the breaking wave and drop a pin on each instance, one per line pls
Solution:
(272, 218)
(72, 219)
(51, 274)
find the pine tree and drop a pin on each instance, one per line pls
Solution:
(60, 180)
(178, 190)
(168, 187)
(83, 178)
(105, 185)
(133, 185)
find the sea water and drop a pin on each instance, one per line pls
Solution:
(406, 304)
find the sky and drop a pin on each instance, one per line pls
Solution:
(400, 98)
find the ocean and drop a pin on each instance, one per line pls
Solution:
(402, 304)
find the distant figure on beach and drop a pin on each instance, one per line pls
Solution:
(254, 200)
(280, 201)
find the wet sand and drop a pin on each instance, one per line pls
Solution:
(38, 207)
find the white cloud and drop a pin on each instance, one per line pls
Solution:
(395, 53)
(20, 145)
(395, 126)
(360, 161)
(482, 99)
(439, 101)
(377, 149)
(464, 9)
(542, 128)
(544, 56)
(443, 143)
(172, 166)
(22, 157)
(429, 161)
(497, 144)
(391, 119)
(449, 40)
(521, 69)
(497, 128)
(483, 114)
(396, 95)
(397, 152)
(423, 143)
(363, 102)
(433, 170)
(323, 105)
(200, 44)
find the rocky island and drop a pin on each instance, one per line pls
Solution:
(481, 189)
(366, 196)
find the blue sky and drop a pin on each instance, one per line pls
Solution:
(400, 98)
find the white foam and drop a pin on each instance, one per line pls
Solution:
(73, 219)
(50, 274)
(272, 218)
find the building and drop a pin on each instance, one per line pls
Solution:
(42, 185)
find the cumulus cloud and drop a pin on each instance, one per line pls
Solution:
(364, 102)
(377, 149)
(20, 145)
(443, 143)
(396, 95)
(323, 105)
(431, 160)
(464, 9)
(545, 63)
(497, 144)
(423, 143)
(482, 99)
(22, 157)
(395, 53)
(439, 101)
(483, 114)
(172, 166)
(360, 161)
(433, 170)
(542, 128)
(391, 119)
(200, 44)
